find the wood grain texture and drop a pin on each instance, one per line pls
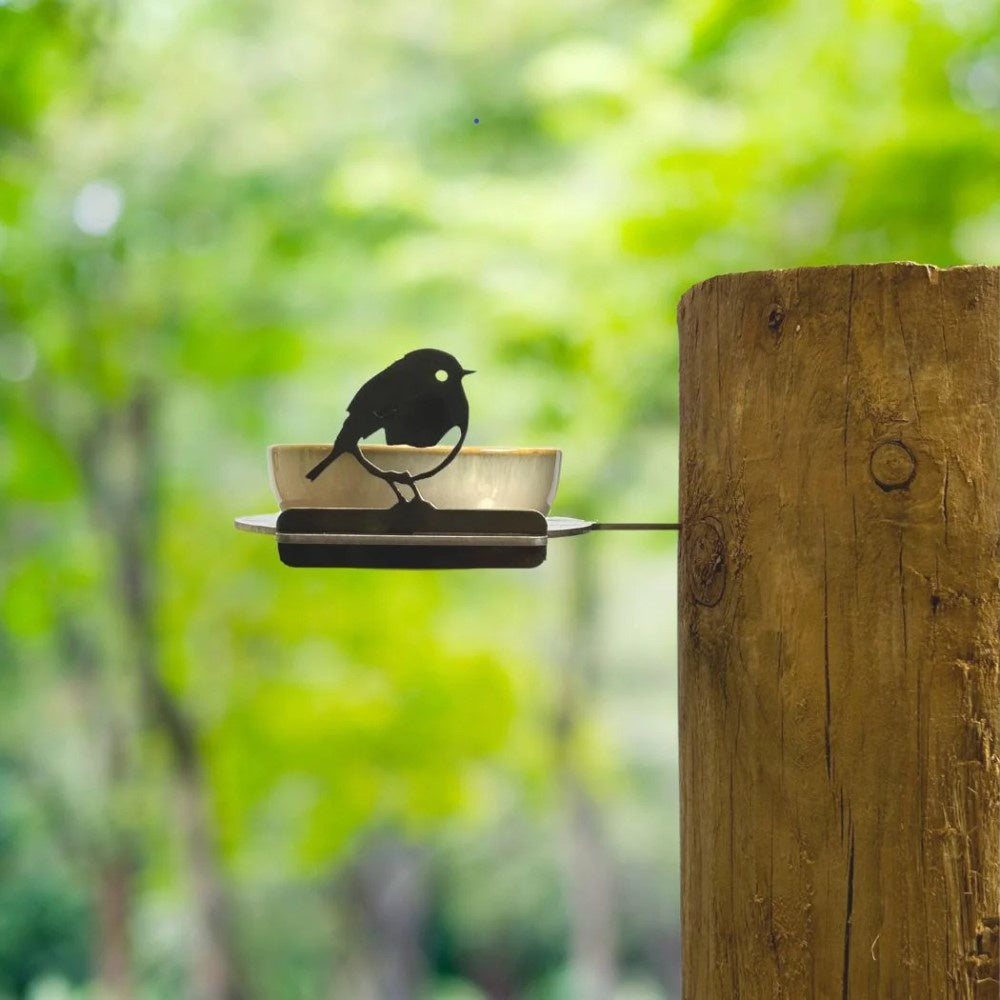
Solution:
(839, 613)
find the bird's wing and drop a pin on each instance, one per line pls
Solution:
(420, 421)
(386, 390)
(379, 399)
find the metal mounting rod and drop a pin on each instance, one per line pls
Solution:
(636, 526)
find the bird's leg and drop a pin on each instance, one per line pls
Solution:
(407, 479)
(395, 489)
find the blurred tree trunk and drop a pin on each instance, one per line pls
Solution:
(117, 452)
(135, 533)
(384, 900)
(589, 869)
(113, 945)
(217, 975)
(116, 866)
(590, 880)
(108, 854)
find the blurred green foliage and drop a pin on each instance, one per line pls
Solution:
(216, 219)
(43, 912)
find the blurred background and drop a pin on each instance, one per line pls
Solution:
(224, 779)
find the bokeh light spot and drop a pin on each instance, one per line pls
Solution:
(983, 82)
(98, 207)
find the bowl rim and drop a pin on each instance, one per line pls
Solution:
(437, 449)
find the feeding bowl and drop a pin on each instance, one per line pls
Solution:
(477, 479)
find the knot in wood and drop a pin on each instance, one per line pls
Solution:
(706, 562)
(893, 466)
(775, 318)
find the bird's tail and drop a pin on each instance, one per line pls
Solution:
(347, 441)
(335, 453)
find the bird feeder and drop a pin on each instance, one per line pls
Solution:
(360, 506)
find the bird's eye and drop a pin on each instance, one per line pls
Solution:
(441, 375)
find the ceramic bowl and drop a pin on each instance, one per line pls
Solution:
(477, 479)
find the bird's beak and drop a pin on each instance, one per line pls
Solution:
(468, 371)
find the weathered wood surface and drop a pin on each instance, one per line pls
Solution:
(839, 613)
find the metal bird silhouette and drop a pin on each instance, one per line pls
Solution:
(416, 401)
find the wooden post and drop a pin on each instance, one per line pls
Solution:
(839, 614)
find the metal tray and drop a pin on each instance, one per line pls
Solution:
(424, 538)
